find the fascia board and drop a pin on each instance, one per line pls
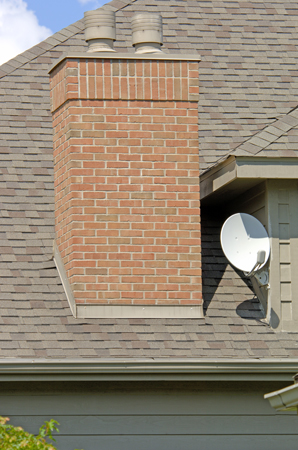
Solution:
(218, 177)
(148, 369)
(267, 168)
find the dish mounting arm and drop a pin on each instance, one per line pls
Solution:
(260, 283)
(261, 255)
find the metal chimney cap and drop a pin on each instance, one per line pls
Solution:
(147, 34)
(100, 30)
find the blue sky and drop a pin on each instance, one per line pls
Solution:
(24, 23)
(57, 14)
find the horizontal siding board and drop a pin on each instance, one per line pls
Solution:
(138, 402)
(207, 442)
(164, 425)
(155, 419)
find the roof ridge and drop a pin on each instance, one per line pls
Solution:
(119, 4)
(30, 54)
(37, 50)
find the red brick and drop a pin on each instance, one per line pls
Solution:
(128, 182)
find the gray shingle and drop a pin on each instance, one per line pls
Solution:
(247, 88)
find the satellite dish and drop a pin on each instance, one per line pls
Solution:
(245, 242)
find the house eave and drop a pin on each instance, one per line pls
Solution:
(240, 173)
(147, 370)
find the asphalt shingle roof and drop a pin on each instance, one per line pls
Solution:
(248, 96)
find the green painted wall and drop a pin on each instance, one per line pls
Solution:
(149, 416)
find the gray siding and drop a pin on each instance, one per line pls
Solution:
(203, 416)
(252, 202)
(283, 230)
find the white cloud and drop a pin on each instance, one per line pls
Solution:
(19, 29)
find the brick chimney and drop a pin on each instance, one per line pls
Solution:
(127, 183)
